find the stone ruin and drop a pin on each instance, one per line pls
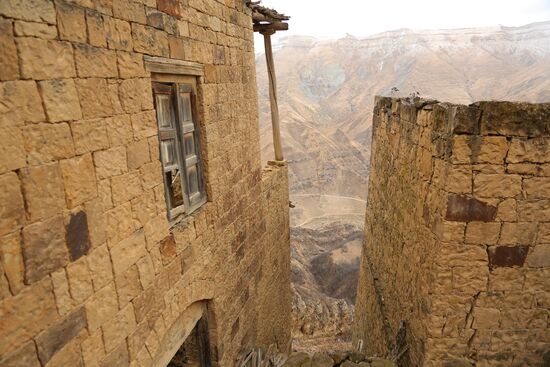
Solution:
(456, 258)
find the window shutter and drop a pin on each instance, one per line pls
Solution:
(191, 152)
(169, 146)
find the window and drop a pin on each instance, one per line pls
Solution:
(179, 147)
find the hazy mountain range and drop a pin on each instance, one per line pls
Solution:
(326, 93)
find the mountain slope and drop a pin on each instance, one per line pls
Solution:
(326, 94)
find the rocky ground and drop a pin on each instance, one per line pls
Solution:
(325, 265)
(342, 359)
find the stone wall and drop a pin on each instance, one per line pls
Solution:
(456, 258)
(91, 272)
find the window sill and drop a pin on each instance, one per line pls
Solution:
(181, 221)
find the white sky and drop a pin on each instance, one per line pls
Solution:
(333, 19)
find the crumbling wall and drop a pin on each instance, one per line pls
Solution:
(91, 271)
(456, 260)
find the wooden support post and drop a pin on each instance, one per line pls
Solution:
(273, 95)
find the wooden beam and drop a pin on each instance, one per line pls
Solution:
(275, 26)
(273, 95)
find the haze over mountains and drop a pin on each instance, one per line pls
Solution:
(326, 93)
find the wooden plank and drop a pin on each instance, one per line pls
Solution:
(273, 27)
(170, 66)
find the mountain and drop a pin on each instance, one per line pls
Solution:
(326, 94)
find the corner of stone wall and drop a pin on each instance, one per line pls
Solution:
(456, 248)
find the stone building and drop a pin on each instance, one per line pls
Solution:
(456, 258)
(136, 220)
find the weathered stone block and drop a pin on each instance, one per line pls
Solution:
(94, 98)
(25, 315)
(127, 252)
(90, 135)
(12, 151)
(47, 142)
(93, 349)
(9, 67)
(459, 180)
(171, 7)
(12, 214)
(118, 357)
(168, 249)
(486, 318)
(539, 256)
(138, 154)
(144, 124)
(129, 10)
(60, 100)
(70, 21)
(177, 47)
(522, 233)
(156, 230)
(77, 235)
(11, 260)
(119, 129)
(104, 194)
(63, 299)
(482, 233)
(44, 240)
(128, 285)
(125, 187)
(507, 256)
(31, 10)
(95, 62)
(120, 223)
(476, 149)
(154, 18)
(99, 263)
(534, 210)
(111, 162)
(150, 40)
(45, 59)
(95, 211)
(43, 188)
(136, 340)
(119, 34)
(497, 185)
(101, 307)
(515, 119)
(146, 271)
(121, 326)
(537, 187)
(97, 35)
(58, 335)
(465, 209)
(31, 29)
(536, 150)
(133, 94)
(25, 356)
(79, 178)
(20, 103)
(507, 211)
(130, 65)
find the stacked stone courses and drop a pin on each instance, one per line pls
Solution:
(457, 238)
(92, 273)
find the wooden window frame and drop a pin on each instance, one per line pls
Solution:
(186, 160)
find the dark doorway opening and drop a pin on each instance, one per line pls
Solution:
(195, 351)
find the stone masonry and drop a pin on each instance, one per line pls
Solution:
(92, 274)
(456, 258)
